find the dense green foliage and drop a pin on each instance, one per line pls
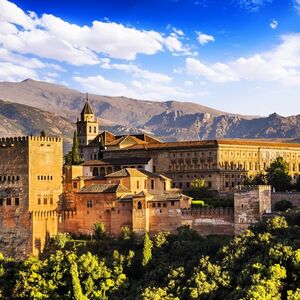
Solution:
(277, 175)
(261, 264)
(72, 157)
(283, 205)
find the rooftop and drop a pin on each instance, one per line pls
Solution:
(117, 161)
(213, 144)
(126, 173)
(104, 188)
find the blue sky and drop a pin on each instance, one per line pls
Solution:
(238, 56)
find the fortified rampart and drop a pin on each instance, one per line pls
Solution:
(30, 186)
(293, 197)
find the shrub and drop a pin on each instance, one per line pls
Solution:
(283, 205)
(99, 231)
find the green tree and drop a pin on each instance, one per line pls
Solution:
(147, 250)
(99, 231)
(198, 184)
(75, 150)
(278, 175)
(61, 239)
(126, 233)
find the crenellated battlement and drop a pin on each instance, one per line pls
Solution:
(208, 211)
(45, 138)
(10, 141)
(23, 140)
(44, 213)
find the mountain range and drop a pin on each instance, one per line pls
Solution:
(30, 106)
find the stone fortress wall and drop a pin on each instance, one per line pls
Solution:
(30, 186)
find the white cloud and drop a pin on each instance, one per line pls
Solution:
(11, 13)
(188, 83)
(297, 5)
(140, 73)
(102, 86)
(282, 64)
(12, 72)
(205, 38)
(218, 72)
(138, 88)
(78, 45)
(274, 24)
(178, 32)
(174, 45)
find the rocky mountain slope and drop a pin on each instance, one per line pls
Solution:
(177, 125)
(44, 106)
(113, 110)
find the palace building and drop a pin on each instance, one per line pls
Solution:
(131, 180)
(223, 164)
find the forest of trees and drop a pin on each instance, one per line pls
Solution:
(263, 263)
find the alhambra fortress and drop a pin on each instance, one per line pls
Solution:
(131, 180)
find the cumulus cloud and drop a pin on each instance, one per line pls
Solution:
(205, 38)
(297, 5)
(138, 88)
(217, 72)
(139, 73)
(281, 64)
(12, 72)
(274, 24)
(99, 85)
(26, 33)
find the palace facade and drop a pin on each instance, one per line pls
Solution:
(223, 164)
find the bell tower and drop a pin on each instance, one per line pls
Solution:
(87, 125)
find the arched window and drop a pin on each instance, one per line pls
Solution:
(95, 172)
(102, 171)
(139, 205)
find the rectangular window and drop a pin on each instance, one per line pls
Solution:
(226, 184)
(90, 129)
(95, 129)
(8, 201)
(75, 185)
(145, 184)
(172, 203)
(45, 200)
(89, 203)
(51, 200)
(39, 200)
(17, 201)
(1, 202)
(152, 184)
(137, 184)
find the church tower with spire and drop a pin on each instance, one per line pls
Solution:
(87, 127)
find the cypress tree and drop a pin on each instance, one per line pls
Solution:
(77, 290)
(75, 150)
(147, 250)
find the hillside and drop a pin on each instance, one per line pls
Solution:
(36, 106)
(177, 125)
(113, 110)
